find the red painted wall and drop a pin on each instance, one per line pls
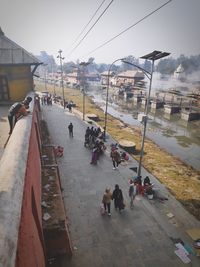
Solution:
(30, 249)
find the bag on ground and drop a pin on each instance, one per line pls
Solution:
(102, 209)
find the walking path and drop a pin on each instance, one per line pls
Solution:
(138, 237)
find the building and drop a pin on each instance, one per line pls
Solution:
(72, 78)
(129, 78)
(17, 68)
(77, 77)
(105, 76)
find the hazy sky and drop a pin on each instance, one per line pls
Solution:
(51, 25)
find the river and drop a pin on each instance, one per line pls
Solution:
(179, 138)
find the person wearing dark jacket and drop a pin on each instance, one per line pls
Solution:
(17, 110)
(147, 181)
(117, 196)
(70, 128)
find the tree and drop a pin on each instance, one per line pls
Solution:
(92, 66)
(147, 65)
(91, 60)
(68, 67)
(166, 66)
(169, 65)
(48, 60)
(101, 67)
(131, 59)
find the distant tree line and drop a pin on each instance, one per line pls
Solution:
(165, 66)
(169, 65)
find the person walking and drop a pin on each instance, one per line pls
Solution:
(132, 192)
(70, 128)
(116, 158)
(70, 107)
(118, 198)
(94, 156)
(107, 197)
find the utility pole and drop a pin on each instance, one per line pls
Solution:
(155, 55)
(61, 70)
(83, 79)
(45, 77)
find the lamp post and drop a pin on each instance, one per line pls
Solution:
(84, 65)
(45, 77)
(155, 55)
(106, 109)
(61, 69)
(54, 86)
(45, 80)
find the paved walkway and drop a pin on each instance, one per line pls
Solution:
(138, 237)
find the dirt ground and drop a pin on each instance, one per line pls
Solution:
(182, 180)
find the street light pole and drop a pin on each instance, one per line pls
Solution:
(45, 79)
(54, 86)
(84, 65)
(107, 90)
(145, 120)
(155, 55)
(61, 69)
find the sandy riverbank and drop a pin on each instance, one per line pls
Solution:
(182, 180)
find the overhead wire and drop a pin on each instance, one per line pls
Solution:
(113, 38)
(91, 27)
(88, 22)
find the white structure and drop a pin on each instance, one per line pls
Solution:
(180, 73)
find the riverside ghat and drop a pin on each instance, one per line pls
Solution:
(168, 129)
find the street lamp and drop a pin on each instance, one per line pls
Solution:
(45, 80)
(84, 65)
(155, 55)
(61, 69)
(106, 110)
(45, 76)
(54, 86)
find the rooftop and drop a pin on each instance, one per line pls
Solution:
(12, 53)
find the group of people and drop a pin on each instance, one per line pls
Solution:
(93, 139)
(97, 150)
(117, 195)
(144, 187)
(91, 134)
(46, 100)
(118, 198)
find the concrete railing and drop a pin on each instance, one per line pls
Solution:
(13, 166)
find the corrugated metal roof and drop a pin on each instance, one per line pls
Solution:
(105, 73)
(11, 53)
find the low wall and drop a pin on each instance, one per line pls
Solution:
(21, 236)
